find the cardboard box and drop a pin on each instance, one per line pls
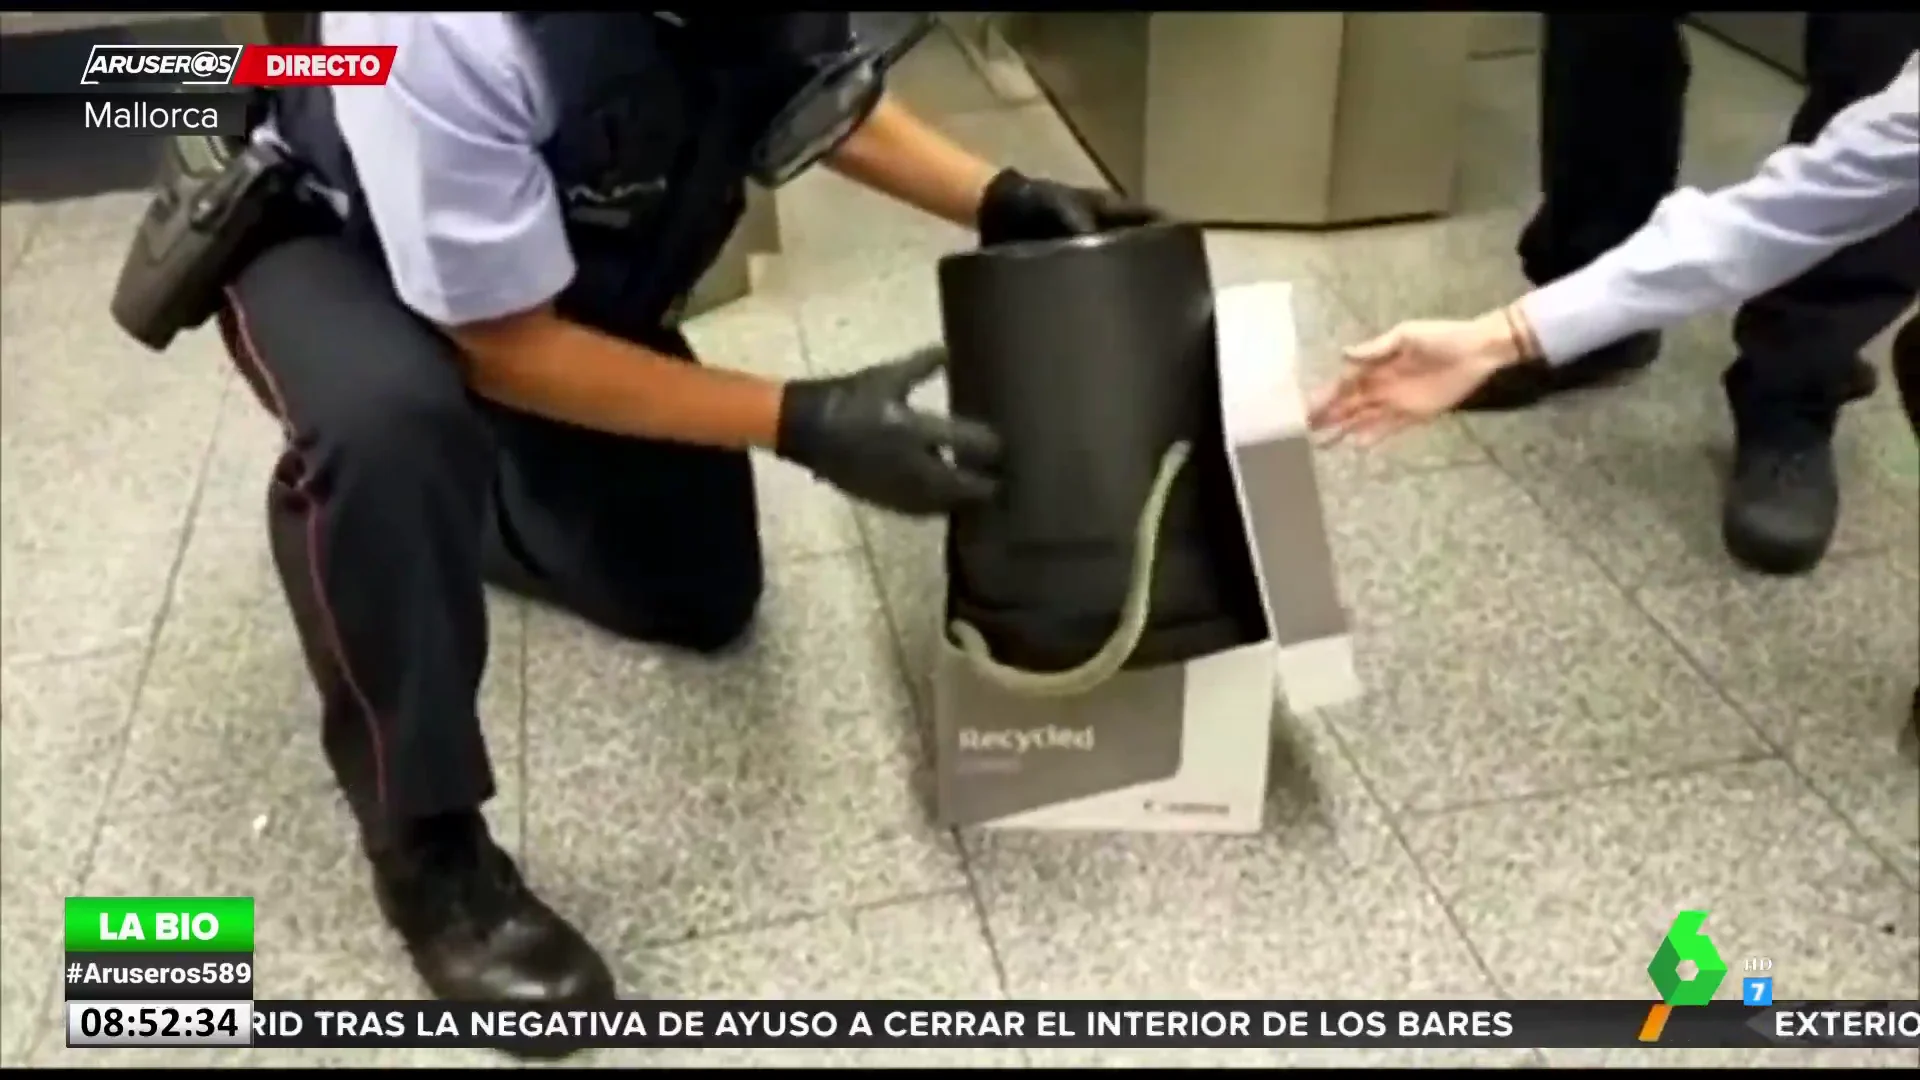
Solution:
(1181, 748)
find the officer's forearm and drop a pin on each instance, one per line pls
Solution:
(543, 364)
(897, 154)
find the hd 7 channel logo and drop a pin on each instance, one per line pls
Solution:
(161, 65)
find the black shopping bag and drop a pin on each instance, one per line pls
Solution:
(1116, 541)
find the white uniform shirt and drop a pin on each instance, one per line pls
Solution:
(1700, 252)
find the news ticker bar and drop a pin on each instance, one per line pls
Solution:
(985, 1024)
(168, 112)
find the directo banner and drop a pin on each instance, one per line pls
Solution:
(172, 66)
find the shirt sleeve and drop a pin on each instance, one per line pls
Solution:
(448, 161)
(1700, 251)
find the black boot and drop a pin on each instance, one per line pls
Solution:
(473, 928)
(1783, 498)
(1523, 385)
(1783, 501)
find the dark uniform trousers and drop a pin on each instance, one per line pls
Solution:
(1612, 104)
(399, 491)
(1906, 373)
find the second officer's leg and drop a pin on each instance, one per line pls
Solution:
(1799, 344)
(376, 514)
(1612, 102)
(652, 541)
(1906, 374)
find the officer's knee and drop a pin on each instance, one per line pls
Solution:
(721, 618)
(701, 589)
(706, 612)
(709, 626)
(400, 436)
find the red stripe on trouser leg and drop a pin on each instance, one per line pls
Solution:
(235, 328)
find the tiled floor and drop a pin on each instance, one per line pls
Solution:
(1581, 717)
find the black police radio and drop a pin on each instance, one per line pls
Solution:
(213, 195)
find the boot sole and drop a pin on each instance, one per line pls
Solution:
(1768, 559)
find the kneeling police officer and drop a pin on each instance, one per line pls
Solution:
(472, 350)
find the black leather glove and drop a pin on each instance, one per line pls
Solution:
(858, 433)
(1017, 207)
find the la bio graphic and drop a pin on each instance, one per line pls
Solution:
(158, 924)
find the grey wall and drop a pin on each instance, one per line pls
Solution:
(1506, 33)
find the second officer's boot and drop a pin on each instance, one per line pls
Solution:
(1783, 496)
(473, 928)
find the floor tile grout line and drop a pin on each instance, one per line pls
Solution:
(1394, 818)
(852, 553)
(526, 608)
(1393, 823)
(865, 551)
(29, 661)
(1492, 455)
(188, 530)
(795, 919)
(36, 224)
(1694, 664)
(1848, 558)
(1779, 749)
(1330, 285)
(800, 335)
(1396, 473)
(976, 892)
(923, 728)
(1578, 790)
(84, 872)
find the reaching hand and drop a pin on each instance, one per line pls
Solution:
(1017, 207)
(858, 433)
(1409, 375)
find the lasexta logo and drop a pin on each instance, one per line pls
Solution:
(1686, 945)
